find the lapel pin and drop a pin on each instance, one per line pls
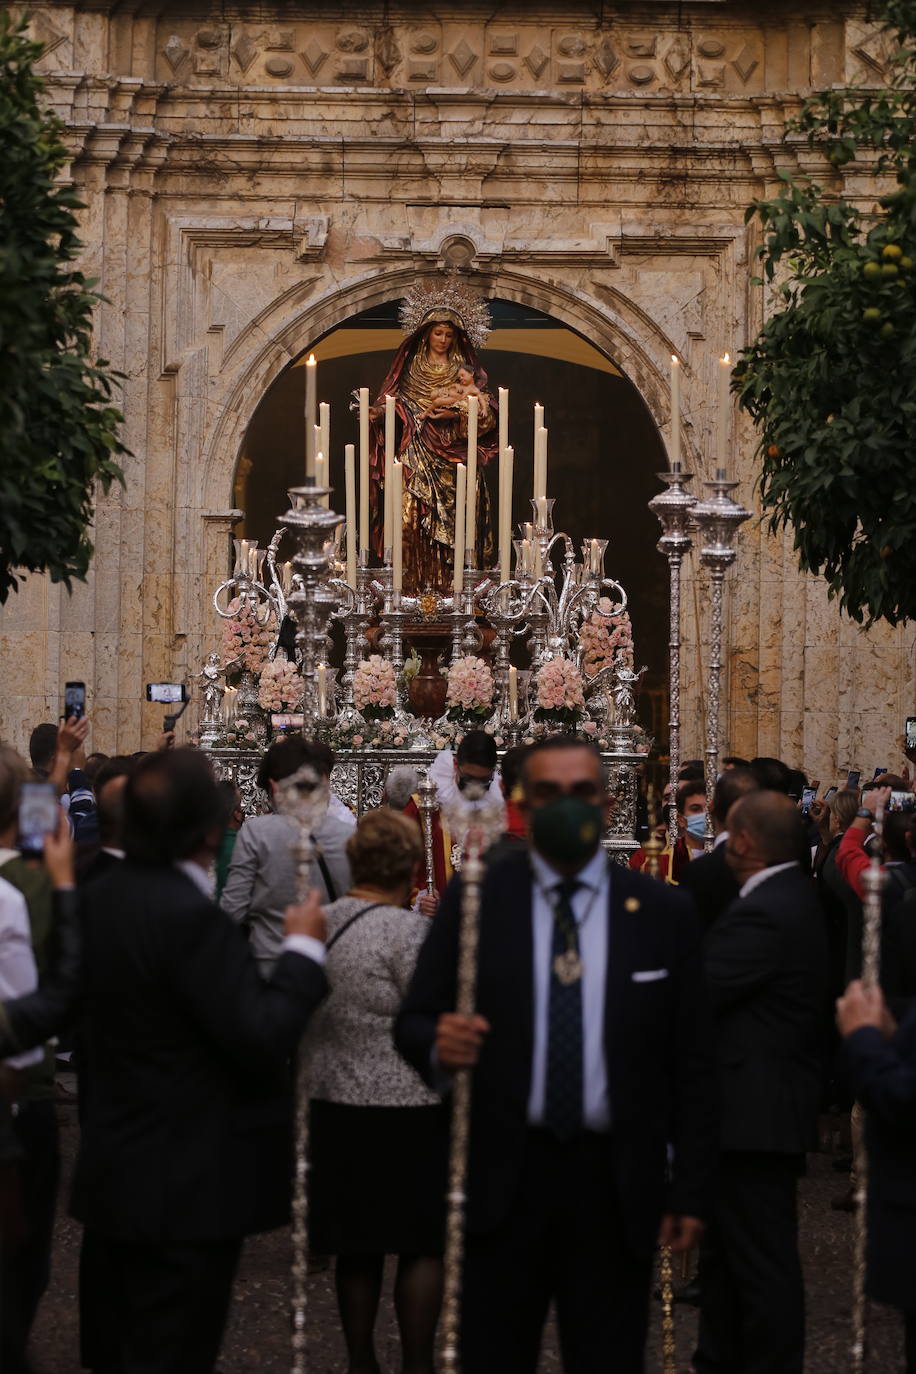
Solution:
(631, 904)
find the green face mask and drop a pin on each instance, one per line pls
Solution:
(567, 830)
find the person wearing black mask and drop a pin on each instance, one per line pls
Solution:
(465, 781)
(593, 1056)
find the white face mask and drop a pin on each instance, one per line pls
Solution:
(696, 826)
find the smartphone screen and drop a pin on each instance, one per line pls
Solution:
(167, 692)
(831, 792)
(38, 811)
(852, 777)
(901, 801)
(74, 700)
(911, 732)
(877, 773)
(807, 797)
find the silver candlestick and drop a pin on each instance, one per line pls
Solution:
(717, 519)
(673, 508)
(312, 525)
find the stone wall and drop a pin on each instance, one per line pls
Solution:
(252, 181)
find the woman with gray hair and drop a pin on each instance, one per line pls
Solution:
(400, 785)
(379, 1137)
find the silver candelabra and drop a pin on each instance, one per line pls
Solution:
(717, 519)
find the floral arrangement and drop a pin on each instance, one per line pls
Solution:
(375, 688)
(470, 690)
(245, 641)
(360, 732)
(280, 687)
(606, 638)
(240, 735)
(448, 734)
(558, 693)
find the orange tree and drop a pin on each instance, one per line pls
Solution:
(830, 381)
(58, 428)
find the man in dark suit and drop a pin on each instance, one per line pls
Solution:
(593, 1056)
(708, 879)
(186, 1133)
(766, 962)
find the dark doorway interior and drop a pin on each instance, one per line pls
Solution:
(604, 450)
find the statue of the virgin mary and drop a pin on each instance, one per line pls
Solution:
(433, 372)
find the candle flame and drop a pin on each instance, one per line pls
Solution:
(675, 360)
(311, 362)
(726, 359)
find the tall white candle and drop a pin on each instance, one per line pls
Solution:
(540, 463)
(321, 475)
(461, 478)
(503, 418)
(322, 690)
(253, 558)
(350, 486)
(507, 458)
(513, 692)
(324, 424)
(675, 451)
(725, 376)
(397, 526)
(311, 413)
(470, 541)
(364, 470)
(538, 418)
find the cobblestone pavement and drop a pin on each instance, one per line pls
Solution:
(256, 1339)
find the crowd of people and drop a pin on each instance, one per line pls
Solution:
(649, 1058)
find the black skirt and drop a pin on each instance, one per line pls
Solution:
(377, 1179)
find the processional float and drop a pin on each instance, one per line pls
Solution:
(569, 621)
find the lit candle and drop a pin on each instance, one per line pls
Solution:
(461, 478)
(322, 690)
(311, 415)
(350, 489)
(324, 424)
(525, 561)
(503, 418)
(725, 376)
(506, 463)
(513, 692)
(675, 447)
(538, 420)
(470, 539)
(364, 470)
(321, 475)
(397, 530)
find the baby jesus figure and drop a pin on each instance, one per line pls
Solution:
(455, 397)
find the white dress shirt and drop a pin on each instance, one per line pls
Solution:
(760, 877)
(18, 973)
(308, 945)
(590, 904)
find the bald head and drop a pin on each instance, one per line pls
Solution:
(764, 828)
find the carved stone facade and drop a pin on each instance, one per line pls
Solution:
(252, 182)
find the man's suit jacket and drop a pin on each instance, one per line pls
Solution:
(711, 884)
(186, 1132)
(883, 1076)
(766, 963)
(657, 1036)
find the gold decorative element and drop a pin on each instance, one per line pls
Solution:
(450, 300)
(632, 903)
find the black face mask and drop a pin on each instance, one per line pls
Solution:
(464, 781)
(567, 830)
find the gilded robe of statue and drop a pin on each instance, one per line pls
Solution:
(431, 447)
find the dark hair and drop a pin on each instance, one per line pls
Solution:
(119, 766)
(692, 787)
(94, 762)
(735, 761)
(776, 824)
(555, 742)
(772, 774)
(110, 807)
(172, 803)
(43, 746)
(734, 783)
(691, 771)
(478, 748)
(893, 780)
(286, 756)
(385, 848)
(511, 767)
(896, 825)
(798, 781)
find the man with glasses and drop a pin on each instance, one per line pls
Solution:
(591, 1051)
(465, 781)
